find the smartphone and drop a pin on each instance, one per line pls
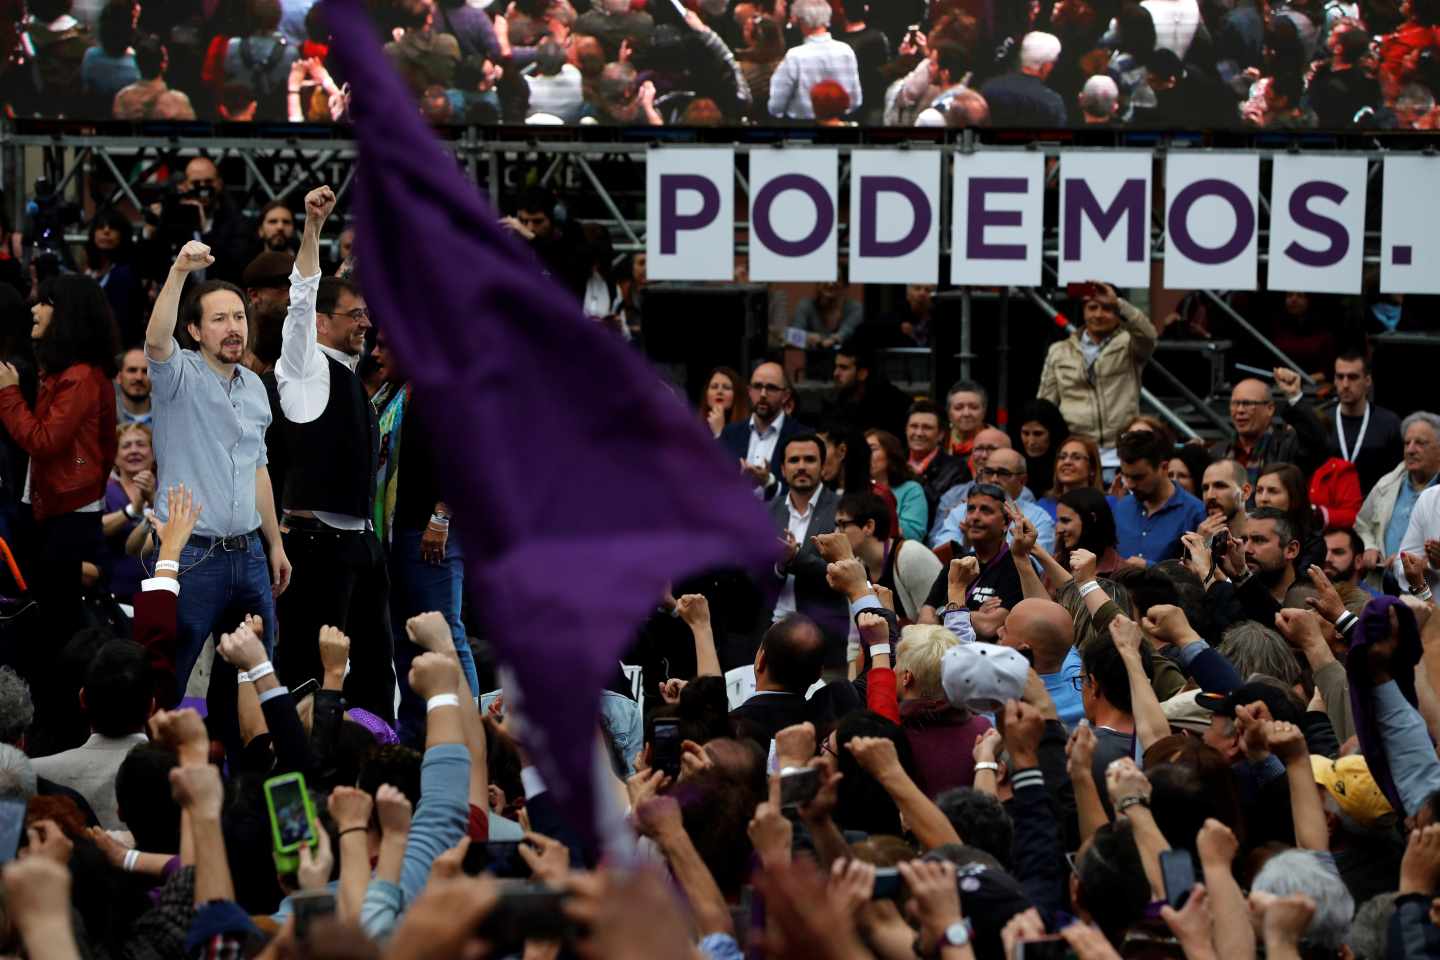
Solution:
(887, 884)
(1046, 948)
(1178, 871)
(798, 786)
(302, 690)
(292, 818)
(308, 905)
(1081, 291)
(12, 828)
(665, 747)
(499, 858)
(1220, 544)
(911, 32)
(526, 911)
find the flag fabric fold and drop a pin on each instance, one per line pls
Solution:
(580, 484)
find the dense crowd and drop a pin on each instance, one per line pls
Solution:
(1066, 680)
(1168, 64)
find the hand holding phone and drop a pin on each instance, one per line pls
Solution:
(1178, 870)
(665, 748)
(292, 817)
(798, 786)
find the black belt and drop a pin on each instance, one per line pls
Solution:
(228, 544)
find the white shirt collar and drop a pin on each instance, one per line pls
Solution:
(774, 426)
(809, 507)
(351, 362)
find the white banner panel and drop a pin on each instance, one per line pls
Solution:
(794, 197)
(690, 214)
(894, 216)
(1105, 217)
(1317, 223)
(1410, 225)
(997, 230)
(1212, 221)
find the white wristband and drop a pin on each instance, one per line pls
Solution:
(263, 670)
(131, 858)
(172, 566)
(1424, 593)
(1088, 587)
(990, 765)
(880, 648)
(441, 700)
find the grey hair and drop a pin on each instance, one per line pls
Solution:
(811, 14)
(1421, 416)
(615, 6)
(1369, 934)
(1099, 96)
(1303, 871)
(968, 386)
(16, 707)
(1255, 648)
(17, 776)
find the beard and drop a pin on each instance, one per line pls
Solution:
(1271, 577)
(278, 242)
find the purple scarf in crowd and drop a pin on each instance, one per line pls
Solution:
(580, 484)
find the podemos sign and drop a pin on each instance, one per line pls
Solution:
(1212, 218)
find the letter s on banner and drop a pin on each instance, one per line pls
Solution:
(1105, 217)
(998, 225)
(1409, 240)
(1317, 223)
(689, 214)
(894, 216)
(1211, 221)
(793, 204)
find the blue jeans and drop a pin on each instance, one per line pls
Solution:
(217, 589)
(418, 587)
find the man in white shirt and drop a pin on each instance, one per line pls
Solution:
(820, 57)
(1176, 22)
(330, 438)
(806, 510)
(555, 87)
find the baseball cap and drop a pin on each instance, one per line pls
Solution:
(989, 898)
(1182, 711)
(269, 269)
(1279, 703)
(1349, 782)
(982, 676)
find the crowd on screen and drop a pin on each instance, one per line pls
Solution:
(1168, 64)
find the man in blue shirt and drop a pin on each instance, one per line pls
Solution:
(1049, 632)
(1150, 521)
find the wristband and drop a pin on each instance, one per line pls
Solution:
(349, 830)
(171, 566)
(131, 858)
(263, 670)
(1088, 587)
(440, 519)
(990, 765)
(441, 700)
(1424, 593)
(1125, 803)
(880, 648)
(1345, 621)
(131, 512)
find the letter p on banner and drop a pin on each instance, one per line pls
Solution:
(690, 214)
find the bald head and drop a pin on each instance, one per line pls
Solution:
(1251, 408)
(768, 391)
(1044, 627)
(987, 441)
(1007, 468)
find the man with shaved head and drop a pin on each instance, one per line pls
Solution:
(1261, 439)
(759, 443)
(1048, 632)
(986, 442)
(1224, 490)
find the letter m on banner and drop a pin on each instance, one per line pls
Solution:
(1105, 217)
(690, 214)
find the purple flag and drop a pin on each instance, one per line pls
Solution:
(580, 483)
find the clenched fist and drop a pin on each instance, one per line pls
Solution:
(193, 256)
(318, 205)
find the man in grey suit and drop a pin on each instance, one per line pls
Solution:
(808, 509)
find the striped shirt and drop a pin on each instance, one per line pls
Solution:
(820, 57)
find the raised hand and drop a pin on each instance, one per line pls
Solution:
(182, 731)
(1191, 923)
(1282, 920)
(1287, 742)
(1414, 566)
(198, 789)
(548, 859)
(795, 745)
(1216, 844)
(1082, 565)
(241, 649)
(659, 818)
(1080, 752)
(431, 631)
(46, 839)
(1288, 382)
(1166, 623)
(847, 577)
(988, 618)
(852, 884)
(316, 865)
(350, 807)
(1124, 779)
(393, 810)
(319, 203)
(1326, 601)
(1420, 867)
(1126, 634)
(964, 571)
(334, 650)
(1300, 628)
(175, 532)
(771, 834)
(433, 673)
(934, 895)
(1022, 726)
(876, 755)
(694, 609)
(833, 547)
(193, 256)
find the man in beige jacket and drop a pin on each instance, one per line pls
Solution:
(1093, 375)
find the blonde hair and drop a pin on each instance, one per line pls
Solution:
(920, 650)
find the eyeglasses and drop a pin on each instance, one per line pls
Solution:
(1248, 404)
(359, 313)
(979, 448)
(767, 387)
(1000, 472)
(1074, 457)
(1078, 682)
(841, 524)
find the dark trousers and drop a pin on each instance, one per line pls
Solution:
(339, 580)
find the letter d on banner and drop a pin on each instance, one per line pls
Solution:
(894, 216)
(690, 214)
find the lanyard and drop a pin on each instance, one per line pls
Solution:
(1359, 437)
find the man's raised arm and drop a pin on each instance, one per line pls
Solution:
(300, 371)
(318, 205)
(161, 331)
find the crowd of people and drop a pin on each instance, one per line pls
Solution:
(1051, 676)
(1168, 64)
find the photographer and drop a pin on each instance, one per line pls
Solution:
(197, 209)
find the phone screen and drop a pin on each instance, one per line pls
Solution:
(12, 828)
(665, 748)
(499, 858)
(798, 787)
(1178, 871)
(304, 689)
(288, 800)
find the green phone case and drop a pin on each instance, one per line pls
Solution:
(281, 848)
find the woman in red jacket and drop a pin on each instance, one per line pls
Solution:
(70, 437)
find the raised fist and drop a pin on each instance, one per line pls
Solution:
(193, 256)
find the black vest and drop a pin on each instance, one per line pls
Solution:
(333, 458)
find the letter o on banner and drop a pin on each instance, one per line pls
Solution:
(1211, 239)
(689, 214)
(894, 216)
(793, 207)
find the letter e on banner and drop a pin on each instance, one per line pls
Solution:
(1105, 217)
(793, 204)
(1409, 239)
(1211, 221)
(998, 221)
(1317, 223)
(690, 214)
(894, 216)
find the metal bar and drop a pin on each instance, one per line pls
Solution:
(1260, 337)
(1170, 415)
(966, 313)
(255, 171)
(1002, 354)
(494, 164)
(605, 198)
(120, 179)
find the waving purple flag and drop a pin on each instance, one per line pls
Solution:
(580, 484)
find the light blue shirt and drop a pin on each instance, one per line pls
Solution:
(1068, 702)
(949, 528)
(210, 436)
(1405, 499)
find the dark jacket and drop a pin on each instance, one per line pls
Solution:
(765, 714)
(884, 406)
(1020, 100)
(942, 740)
(1300, 440)
(735, 438)
(813, 596)
(70, 437)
